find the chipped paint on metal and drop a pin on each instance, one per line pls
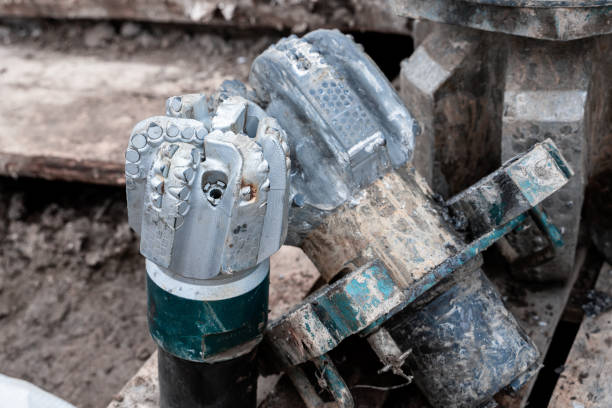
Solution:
(521, 183)
(551, 230)
(198, 330)
(334, 382)
(538, 173)
(360, 301)
(332, 314)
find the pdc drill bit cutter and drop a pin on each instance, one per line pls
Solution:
(207, 191)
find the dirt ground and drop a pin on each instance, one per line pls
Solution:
(72, 289)
(72, 299)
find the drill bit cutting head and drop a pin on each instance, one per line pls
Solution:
(207, 190)
(208, 201)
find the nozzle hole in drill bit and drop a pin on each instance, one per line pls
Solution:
(215, 193)
(214, 183)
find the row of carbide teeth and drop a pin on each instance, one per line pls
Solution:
(282, 137)
(160, 173)
(184, 174)
(172, 133)
(154, 135)
(264, 167)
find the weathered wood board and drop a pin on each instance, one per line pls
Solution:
(538, 311)
(299, 16)
(585, 382)
(68, 115)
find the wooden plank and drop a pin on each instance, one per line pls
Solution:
(299, 16)
(292, 275)
(585, 381)
(538, 310)
(68, 115)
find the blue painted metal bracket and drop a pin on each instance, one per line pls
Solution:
(371, 294)
(361, 300)
(545, 224)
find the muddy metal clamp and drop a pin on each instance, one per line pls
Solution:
(207, 191)
(382, 240)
